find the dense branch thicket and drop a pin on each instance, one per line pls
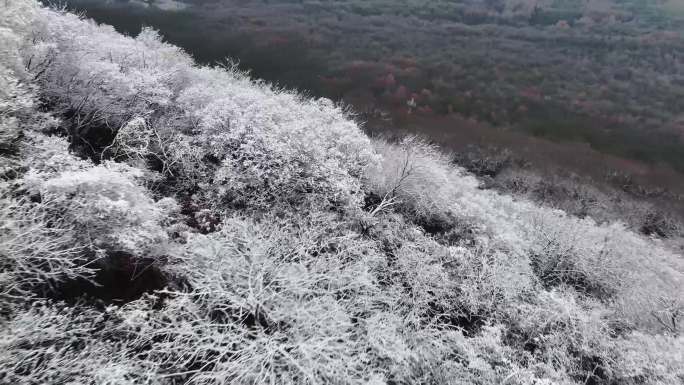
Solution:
(167, 223)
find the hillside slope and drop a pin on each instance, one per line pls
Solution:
(167, 223)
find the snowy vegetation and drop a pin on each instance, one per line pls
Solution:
(167, 223)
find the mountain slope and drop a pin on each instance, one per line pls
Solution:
(168, 223)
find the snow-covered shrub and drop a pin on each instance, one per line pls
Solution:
(271, 146)
(56, 344)
(37, 250)
(98, 79)
(17, 95)
(658, 358)
(262, 309)
(606, 261)
(577, 252)
(570, 338)
(101, 77)
(557, 332)
(15, 103)
(108, 209)
(488, 282)
(18, 20)
(419, 177)
(61, 214)
(134, 143)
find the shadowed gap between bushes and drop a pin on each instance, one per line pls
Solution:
(121, 278)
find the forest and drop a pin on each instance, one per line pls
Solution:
(169, 220)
